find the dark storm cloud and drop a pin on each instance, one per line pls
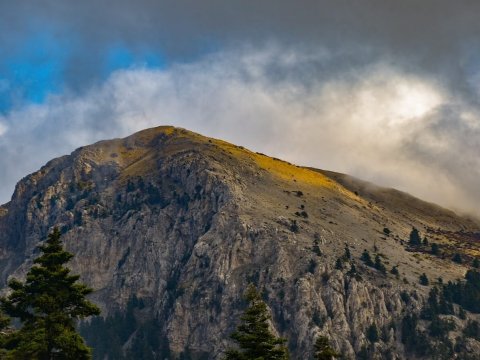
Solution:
(437, 37)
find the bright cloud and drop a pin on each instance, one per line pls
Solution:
(378, 123)
(3, 129)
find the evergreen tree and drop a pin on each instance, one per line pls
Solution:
(372, 333)
(366, 258)
(323, 350)
(353, 270)
(476, 263)
(435, 249)
(339, 264)
(457, 258)
(395, 271)
(379, 264)
(48, 305)
(4, 322)
(415, 239)
(253, 335)
(424, 279)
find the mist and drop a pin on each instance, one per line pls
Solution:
(380, 121)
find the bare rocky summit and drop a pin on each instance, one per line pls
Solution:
(184, 222)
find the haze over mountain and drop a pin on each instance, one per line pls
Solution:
(384, 91)
(169, 227)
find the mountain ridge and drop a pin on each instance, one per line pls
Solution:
(185, 222)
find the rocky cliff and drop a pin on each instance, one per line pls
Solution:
(182, 223)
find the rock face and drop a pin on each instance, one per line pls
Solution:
(185, 222)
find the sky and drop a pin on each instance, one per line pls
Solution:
(387, 91)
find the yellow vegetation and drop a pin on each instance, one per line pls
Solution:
(473, 252)
(286, 171)
(138, 161)
(142, 166)
(148, 135)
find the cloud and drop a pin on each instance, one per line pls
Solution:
(379, 122)
(3, 129)
(409, 33)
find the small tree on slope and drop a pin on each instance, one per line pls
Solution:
(323, 350)
(48, 305)
(253, 335)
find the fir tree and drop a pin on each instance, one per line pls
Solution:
(415, 239)
(372, 333)
(379, 264)
(353, 270)
(339, 264)
(4, 322)
(366, 258)
(323, 350)
(394, 271)
(424, 279)
(48, 305)
(253, 335)
(457, 258)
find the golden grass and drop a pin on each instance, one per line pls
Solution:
(138, 161)
(140, 167)
(148, 135)
(288, 172)
(285, 171)
(473, 252)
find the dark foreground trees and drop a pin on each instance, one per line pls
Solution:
(253, 335)
(48, 305)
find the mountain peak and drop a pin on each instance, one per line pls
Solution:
(184, 222)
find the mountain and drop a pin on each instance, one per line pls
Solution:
(169, 227)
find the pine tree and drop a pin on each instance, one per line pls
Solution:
(424, 279)
(372, 333)
(395, 271)
(339, 264)
(379, 264)
(48, 305)
(253, 335)
(366, 258)
(4, 334)
(415, 239)
(457, 258)
(323, 350)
